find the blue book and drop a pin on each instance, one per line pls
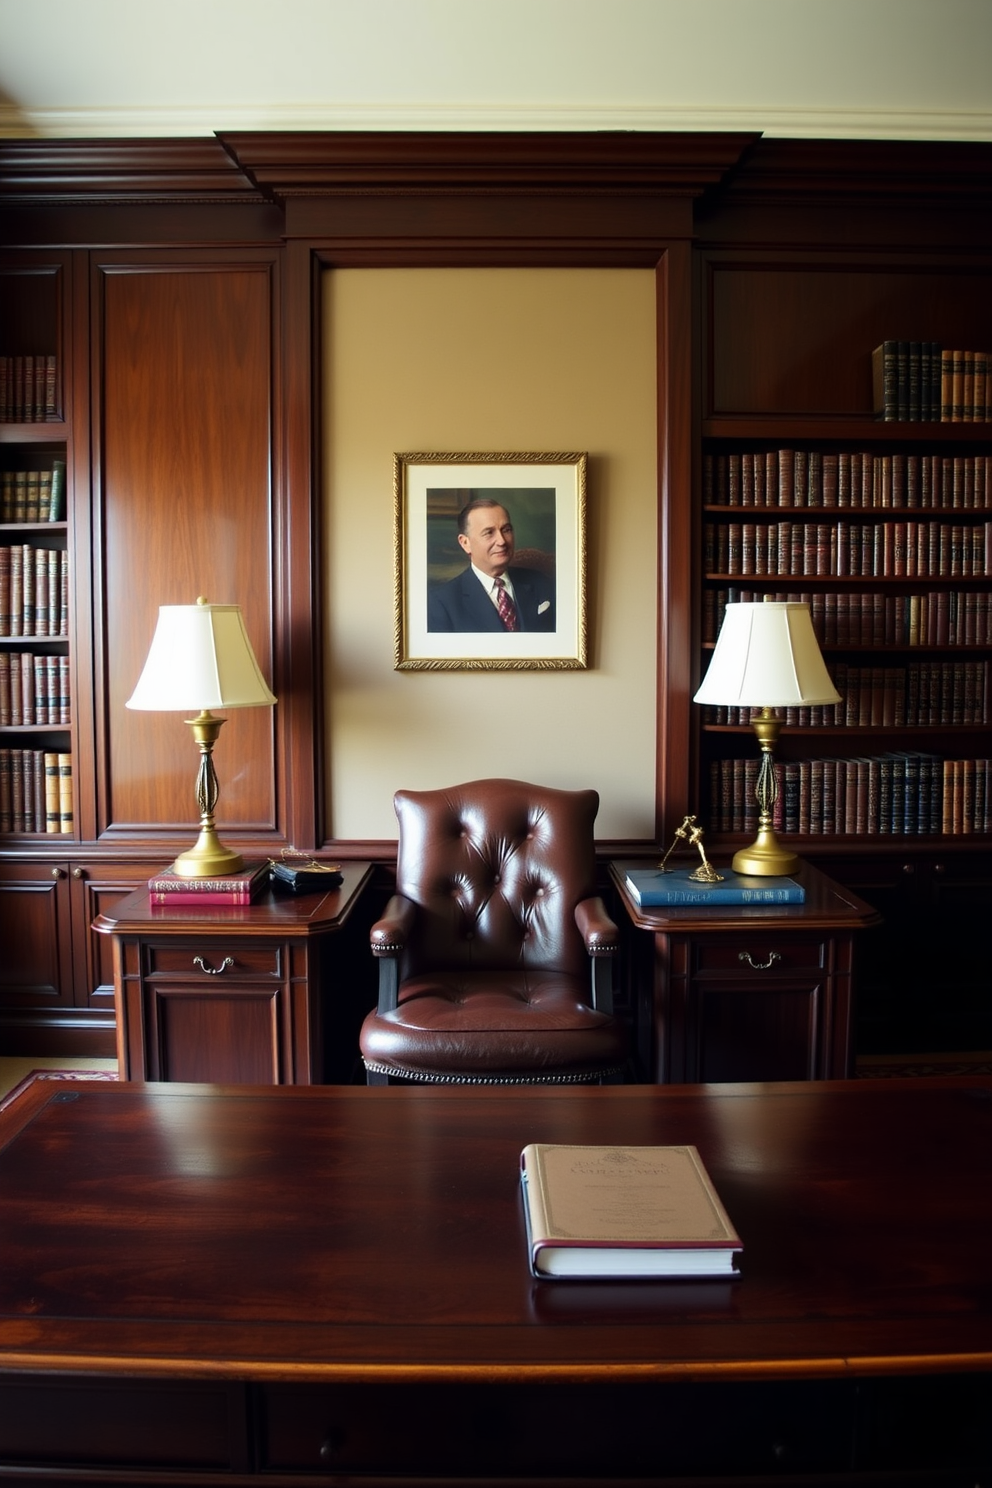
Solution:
(652, 888)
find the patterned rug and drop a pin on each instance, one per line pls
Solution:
(53, 1074)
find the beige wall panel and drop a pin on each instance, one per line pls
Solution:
(489, 359)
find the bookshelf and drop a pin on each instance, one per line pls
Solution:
(891, 547)
(36, 721)
(883, 524)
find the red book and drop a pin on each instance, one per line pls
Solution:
(171, 888)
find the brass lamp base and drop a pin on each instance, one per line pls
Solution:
(765, 857)
(208, 857)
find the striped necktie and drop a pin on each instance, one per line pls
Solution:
(507, 609)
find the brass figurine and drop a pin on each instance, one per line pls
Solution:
(691, 833)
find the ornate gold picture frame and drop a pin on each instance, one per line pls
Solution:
(463, 521)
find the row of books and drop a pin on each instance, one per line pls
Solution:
(940, 618)
(929, 694)
(845, 549)
(34, 690)
(847, 478)
(27, 389)
(35, 791)
(922, 381)
(33, 495)
(34, 591)
(902, 793)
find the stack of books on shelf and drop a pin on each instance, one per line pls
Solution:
(848, 549)
(33, 495)
(901, 793)
(27, 389)
(922, 381)
(858, 480)
(34, 591)
(926, 694)
(34, 690)
(170, 890)
(869, 618)
(35, 791)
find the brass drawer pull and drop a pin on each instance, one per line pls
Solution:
(773, 956)
(213, 970)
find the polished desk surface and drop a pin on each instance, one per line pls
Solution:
(274, 914)
(345, 1233)
(828, 905)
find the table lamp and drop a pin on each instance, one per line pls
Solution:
(201, 658)
(766, 656)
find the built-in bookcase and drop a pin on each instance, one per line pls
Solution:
(882, 524)
(891, 547)
(36, 718)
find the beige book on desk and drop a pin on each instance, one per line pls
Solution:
(614, 1211)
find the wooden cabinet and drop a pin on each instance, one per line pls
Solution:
(165, 363)
(56, 978)
(925, 981)
(232, 996)
(751, 992)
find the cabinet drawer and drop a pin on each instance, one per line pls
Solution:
(757, 953)
(209, 960)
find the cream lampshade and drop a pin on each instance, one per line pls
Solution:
(201, 659)
(766, 657)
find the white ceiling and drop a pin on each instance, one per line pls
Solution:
(833, 68)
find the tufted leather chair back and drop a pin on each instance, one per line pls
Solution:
(496, 868)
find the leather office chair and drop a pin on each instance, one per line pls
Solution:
(495, 953)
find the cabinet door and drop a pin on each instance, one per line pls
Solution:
(763, 1030)
(36, 987)
(96, 888)
(225, 1034)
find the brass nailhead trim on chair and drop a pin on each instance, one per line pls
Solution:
(436, 1079)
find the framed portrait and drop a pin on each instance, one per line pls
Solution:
(490, 561)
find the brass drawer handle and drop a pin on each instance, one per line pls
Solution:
(773, 956)
(213, 970)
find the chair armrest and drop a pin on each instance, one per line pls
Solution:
(390, 934)
(601, 936)
(602, 941)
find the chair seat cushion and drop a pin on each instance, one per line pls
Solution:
(536, 1024)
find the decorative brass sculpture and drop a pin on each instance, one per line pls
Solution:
(692, 834)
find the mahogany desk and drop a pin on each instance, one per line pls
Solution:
(207, 1284)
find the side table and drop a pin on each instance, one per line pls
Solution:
(746, 992)
(228, 995)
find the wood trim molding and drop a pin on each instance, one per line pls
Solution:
(125, 170)
(290, 164)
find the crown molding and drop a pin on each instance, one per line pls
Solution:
(36, 170)
(210, 118)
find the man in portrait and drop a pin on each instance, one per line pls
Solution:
(492, 593)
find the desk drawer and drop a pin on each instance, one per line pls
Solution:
(208, 960)
(478, 1432)
(119, 1423)
(754, 953)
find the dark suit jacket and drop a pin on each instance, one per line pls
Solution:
(463, 605)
